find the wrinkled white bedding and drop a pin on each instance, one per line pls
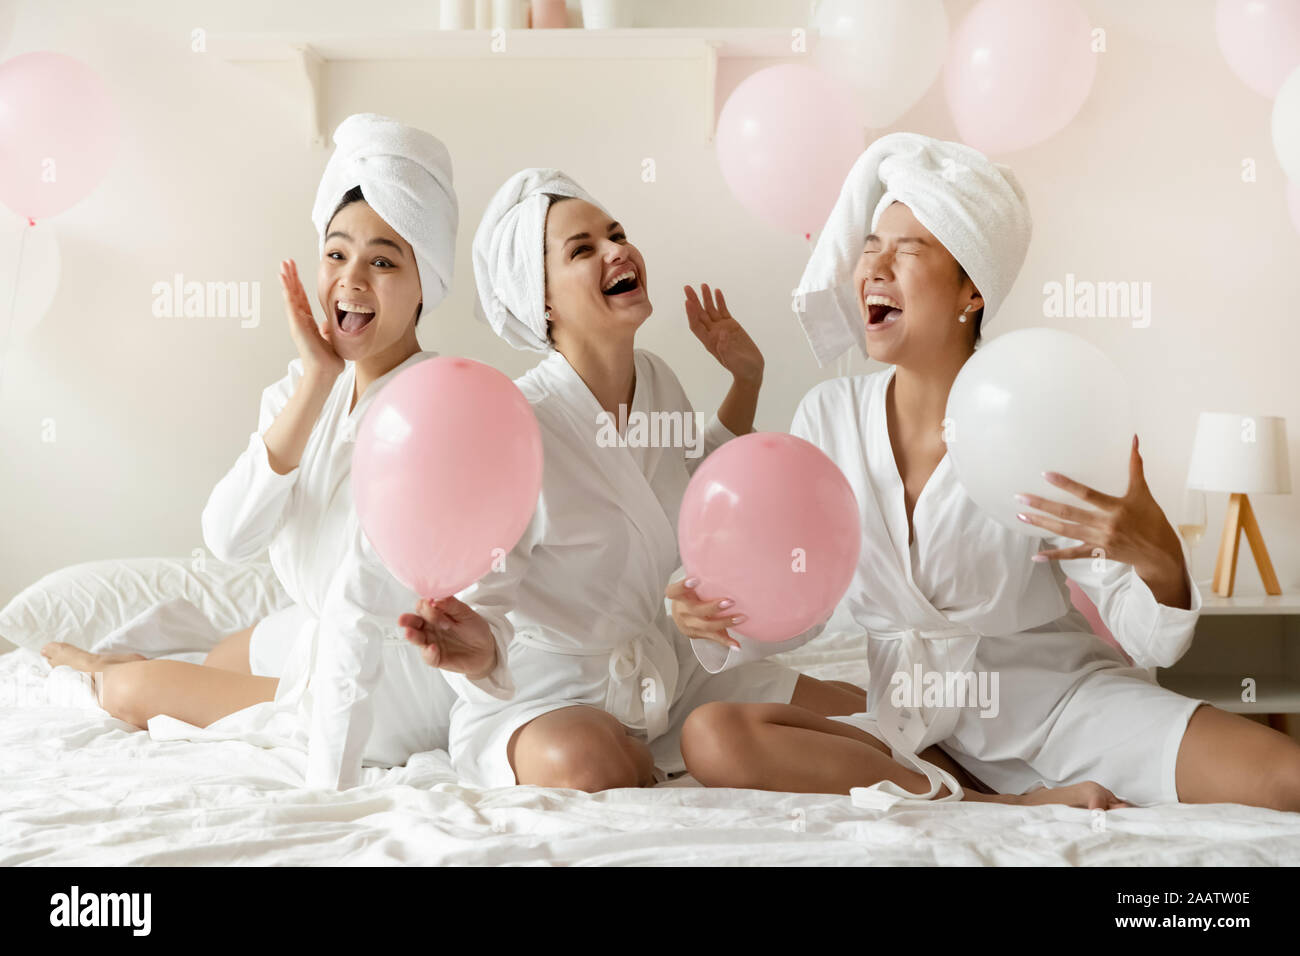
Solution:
(77, 787)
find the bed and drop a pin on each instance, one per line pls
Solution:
(81, 788)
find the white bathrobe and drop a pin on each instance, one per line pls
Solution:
(965, 597)
(584, 587)
(351, 689)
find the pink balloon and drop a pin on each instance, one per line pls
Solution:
(58, 133)
(1018, 71)
(757, 510)
(1084, 604)
(1260, 39)
(446, 473)
(1293, 203)
(787, 136)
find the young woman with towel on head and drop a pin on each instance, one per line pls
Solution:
(604, 679)
(942, 586)
(386, 215)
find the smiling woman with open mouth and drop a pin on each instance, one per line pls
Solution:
(910, 261)
(384, 259)
(604, 680)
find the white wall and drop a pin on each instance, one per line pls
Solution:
(215, 180)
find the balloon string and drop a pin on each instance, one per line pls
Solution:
(13, 302)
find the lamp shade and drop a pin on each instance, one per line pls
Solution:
(1240, 454)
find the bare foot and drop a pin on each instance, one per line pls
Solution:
(1087, 796)
(66, 654)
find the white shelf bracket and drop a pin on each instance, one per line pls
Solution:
(311, 69)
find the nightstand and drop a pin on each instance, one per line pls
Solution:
(1254, 636)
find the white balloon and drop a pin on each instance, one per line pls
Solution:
(37, 275)
(1032, 401)
(1286, 125)
(889, 51)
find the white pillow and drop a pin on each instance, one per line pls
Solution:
(83, 603)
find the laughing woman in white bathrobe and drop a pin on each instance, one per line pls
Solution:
(386, 215)
(943, 586)
(604, 680)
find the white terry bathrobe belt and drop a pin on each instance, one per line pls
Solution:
(639, 691)
(638, 695)
(909, 730)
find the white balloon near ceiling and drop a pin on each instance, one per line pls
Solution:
(1286, 126)
(889, 52)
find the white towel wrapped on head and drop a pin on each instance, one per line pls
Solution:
(509, 255)
(975, 207)
(405, 176)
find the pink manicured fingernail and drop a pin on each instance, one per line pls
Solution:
(723, 605)
(1023, 517)
(1051, 475)
(1039, 558)
(691, 582)
(738, 619)
(1023, 499)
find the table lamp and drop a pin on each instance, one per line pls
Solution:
(1242, 455)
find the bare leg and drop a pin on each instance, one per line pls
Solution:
(232, 653)
(785, 747)
(1227, 758)
(198, 695)
(579, 748)
(833, 698)
(830, 698)
(69, 655)
(188, 692)
(134, 689)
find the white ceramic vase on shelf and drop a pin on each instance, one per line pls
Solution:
(606, 14)
(509, 14)
(456, 15)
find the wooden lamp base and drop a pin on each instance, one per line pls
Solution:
(1241, 517)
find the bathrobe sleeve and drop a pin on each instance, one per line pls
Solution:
(359, 615)
(243, 512)
(1153, 634)
(491, 602)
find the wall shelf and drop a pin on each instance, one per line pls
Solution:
(1212, 603)
(312, 53)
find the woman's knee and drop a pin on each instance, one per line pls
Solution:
(123, 689)
(719, 743)
(591, 754)
(1283, 779)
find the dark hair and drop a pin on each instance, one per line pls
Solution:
(554, 198)
(979, 316)
(349, 197)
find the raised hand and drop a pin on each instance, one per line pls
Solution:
(724, 337)
(315, 343)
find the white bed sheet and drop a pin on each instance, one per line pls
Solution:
(79, 788)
